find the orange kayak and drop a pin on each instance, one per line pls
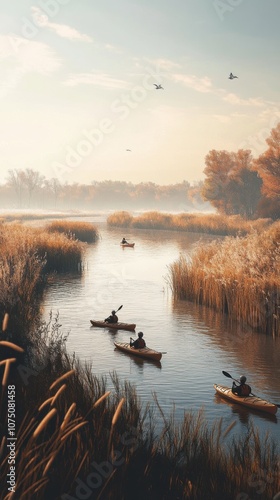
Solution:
(145, 352)
(250, 401)
(117, 326)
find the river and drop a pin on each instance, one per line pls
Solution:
(198, 342)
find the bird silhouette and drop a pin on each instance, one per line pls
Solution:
(231, 76)
(128, 150)
(158, 86)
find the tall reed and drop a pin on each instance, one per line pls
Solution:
(196, 223)
(238, 276)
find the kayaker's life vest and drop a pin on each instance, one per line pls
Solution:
(141, 343)
(245, 390)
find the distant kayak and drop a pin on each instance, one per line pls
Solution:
(250, 401)
(145, 352)
(127, 245)
(116, 326)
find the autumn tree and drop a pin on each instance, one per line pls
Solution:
(268, 167)
(231, 185)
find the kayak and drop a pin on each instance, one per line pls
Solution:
(127, 245)
(117, 326)
(145, 352)
(250, 401)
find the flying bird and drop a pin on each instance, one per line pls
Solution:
(128, 150)
(231, 76)
(158, 86)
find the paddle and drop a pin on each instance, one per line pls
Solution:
(229, 376)
(118, 309)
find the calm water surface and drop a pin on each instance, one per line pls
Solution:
(199, 343)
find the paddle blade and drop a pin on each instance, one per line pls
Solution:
(226, 374)
(119, 308)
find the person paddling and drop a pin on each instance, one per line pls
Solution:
(138, 343)
(113, 318)
(123, 242)
(243, 389)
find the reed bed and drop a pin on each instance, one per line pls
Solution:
(196, 223)
(238, 276)
(82, 231)
(74, 435)
(56, 251)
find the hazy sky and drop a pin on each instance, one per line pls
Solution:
(77, 86)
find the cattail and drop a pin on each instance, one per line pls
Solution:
(68, 414)
(57, 394)
(5, 322)
(105, 395)
(63, 377)
(11, 345)
(44, 422)
(7, 370)
(117, 412)
(45, 403)
(75, 428)
(49, 463)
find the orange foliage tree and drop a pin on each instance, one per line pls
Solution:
(231, 185)
(268, 168)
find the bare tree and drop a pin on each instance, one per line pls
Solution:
(32, 180)
(15, 179)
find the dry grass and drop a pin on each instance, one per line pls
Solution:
(57, 447)
(196, 223)
(82, 231)
(238, 276)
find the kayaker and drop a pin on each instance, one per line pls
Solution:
(243, 389)
(113, 318)
(138, 343)
(124, 241)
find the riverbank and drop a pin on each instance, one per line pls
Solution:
(239, 277)
(197, 223)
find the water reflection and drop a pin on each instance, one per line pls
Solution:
(244, 414)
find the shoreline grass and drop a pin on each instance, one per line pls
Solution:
(82, 231)
(196, 223)
(238, 276)
(73, 433)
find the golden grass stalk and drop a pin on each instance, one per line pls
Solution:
(75, 428)
(63, 377)
(7, 363)
(5, 322)
(68, 414)
(45, 403)
(11, 345)
(43, 424)
(117, 412)
(57, 394)
(101, 399)
(49, 463)
(229, 428)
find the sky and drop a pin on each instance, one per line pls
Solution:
(77, 94)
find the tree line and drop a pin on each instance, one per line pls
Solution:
(238, 184)
(235, 184)
(29, 189)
